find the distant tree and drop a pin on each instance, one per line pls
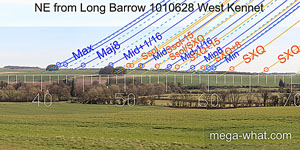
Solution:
(179, 84)
(107, 70)
(281, 83)
(234, 97)
(3, 84)
(144, 101)
(51, 68)
(72, 92)
(94, 96)
(264, 95)
(296, 100)
(131, 88)
(95, 83)
(275, 100)
(2, 95)
(281, 99)
(158, 89)
(18, 85)
(223, 95)
(249, 99)
(107, 82)
(60, 91)
(120, 70)
(113, 89)
(173, 88)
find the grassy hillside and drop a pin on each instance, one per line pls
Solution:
(78, 126)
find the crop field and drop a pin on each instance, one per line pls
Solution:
(78, 126)
(90, 75)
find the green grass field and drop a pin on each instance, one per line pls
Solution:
(82, 126)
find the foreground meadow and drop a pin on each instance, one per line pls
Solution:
(79, 126)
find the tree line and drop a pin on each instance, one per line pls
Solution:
(176, 95)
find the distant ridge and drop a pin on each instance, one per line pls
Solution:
(20, 67)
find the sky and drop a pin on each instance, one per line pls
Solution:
(28, 38)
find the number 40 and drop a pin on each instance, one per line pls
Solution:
(38, 99)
